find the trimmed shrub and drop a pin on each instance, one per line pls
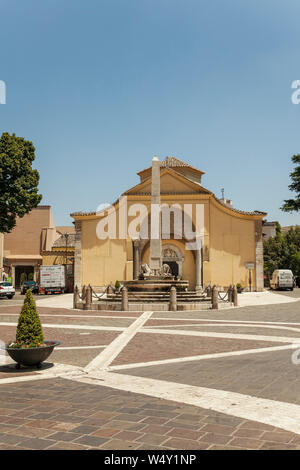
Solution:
(117, 285)
(23, 278)
(29, 329)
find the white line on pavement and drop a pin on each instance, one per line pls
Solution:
(73, 327)
(56, 371)
(225, 321)
(227, 325)
(275, 413)
(105, 358)
(211, 334)
(200, 357)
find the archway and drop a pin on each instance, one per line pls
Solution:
(172, 256)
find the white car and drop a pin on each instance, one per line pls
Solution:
(7, 290)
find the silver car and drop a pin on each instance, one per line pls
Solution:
(7, 290)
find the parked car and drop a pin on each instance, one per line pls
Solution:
(7, 290)
(282, 279)
(32, 285)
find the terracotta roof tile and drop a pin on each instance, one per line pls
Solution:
(173, 162)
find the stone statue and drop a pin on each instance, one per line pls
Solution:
(166, 271)
(145, 270)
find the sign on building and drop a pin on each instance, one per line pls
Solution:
(250, 265)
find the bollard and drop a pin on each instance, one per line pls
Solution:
(235, 297)
(124, 306)
(214, 298)
(208, 290)
(83, 293)
(173, 299)
(75, 297)
(230, 293)
(110, 289)
(88, 298)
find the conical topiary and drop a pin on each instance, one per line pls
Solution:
(29, 329)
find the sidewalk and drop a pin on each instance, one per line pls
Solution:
(263, 298)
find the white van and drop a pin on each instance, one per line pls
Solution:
(282, 279)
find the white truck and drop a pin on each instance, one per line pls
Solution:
(52, 279)
(282, 279)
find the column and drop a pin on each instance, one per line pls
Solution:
(77, 254)
(198, 270)
(155, 237)
(259, 255)
(136, 259)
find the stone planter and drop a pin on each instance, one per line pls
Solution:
(32, 356)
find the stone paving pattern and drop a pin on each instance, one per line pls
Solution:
(61, 414)
(58, 413)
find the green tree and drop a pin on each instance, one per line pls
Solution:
(295, 264)
(18, 180)
(29, 329)
(282, 252)
(291, 205)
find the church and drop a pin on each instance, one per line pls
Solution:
(230, 250)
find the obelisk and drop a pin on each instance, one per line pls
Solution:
(155, 261)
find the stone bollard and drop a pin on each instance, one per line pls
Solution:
(173, 299)
(75, 297)
(208, 290)
(230, 293)
(214, 298)
(83, 293)
(110, 289)
(125, 305)
(235, 297)
(88, 298)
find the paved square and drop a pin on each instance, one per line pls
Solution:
(157, 380)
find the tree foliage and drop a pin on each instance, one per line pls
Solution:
(29, 329)
(283, 252)
(18, 180)
(291, 205)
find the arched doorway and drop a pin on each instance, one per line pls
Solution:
(172, 256)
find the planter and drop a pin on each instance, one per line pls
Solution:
(31, 356)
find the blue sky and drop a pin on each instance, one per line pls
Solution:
(100, 86)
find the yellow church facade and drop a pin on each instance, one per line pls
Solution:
(231, 249)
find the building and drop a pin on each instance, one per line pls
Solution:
(288, 228)
(269, 229)
(231, 248)
(24, 247)
(62, 252)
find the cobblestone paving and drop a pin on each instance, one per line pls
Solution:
(61, 414)
(44, 412)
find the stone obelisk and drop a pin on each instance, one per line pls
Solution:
(155, 261)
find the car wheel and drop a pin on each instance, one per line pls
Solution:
(9, 296)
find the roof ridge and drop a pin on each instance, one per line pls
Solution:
(172, 162)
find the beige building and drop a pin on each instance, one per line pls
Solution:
(62, 252)
(23, 248)
(231, 238)
(269, 229)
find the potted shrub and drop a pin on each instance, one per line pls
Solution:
(117, 286)
(239, 288)
(30, 348)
